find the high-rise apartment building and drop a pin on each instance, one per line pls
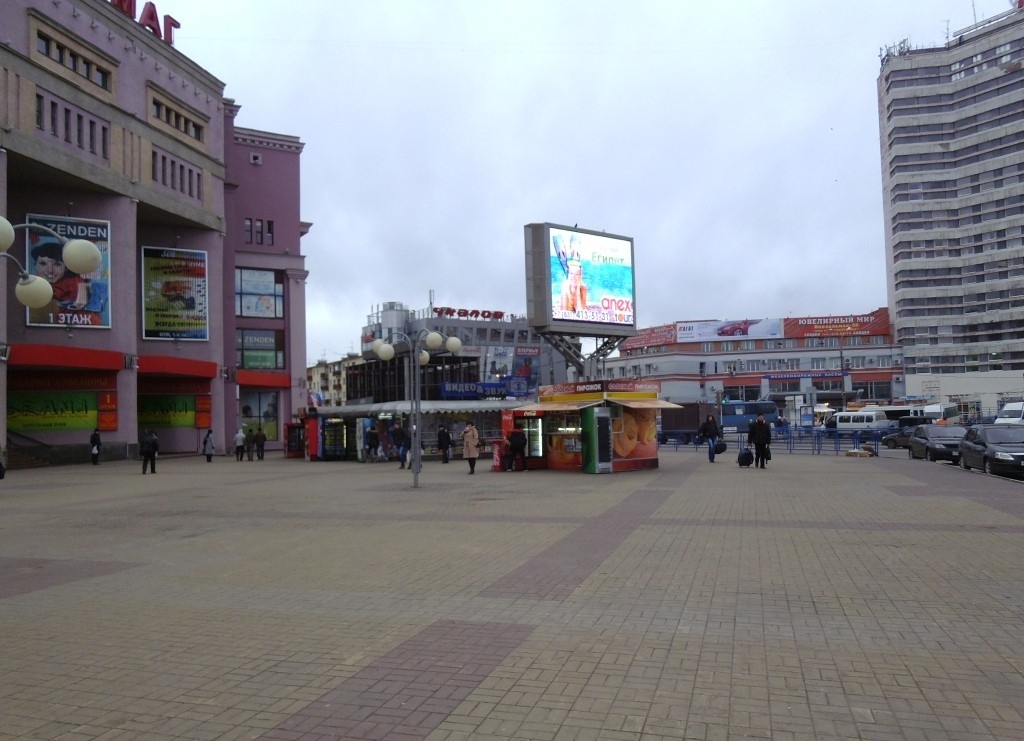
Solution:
(951, 121)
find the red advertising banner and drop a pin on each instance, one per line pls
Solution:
(651, 337)
(875, 323)
(591, 387)
(38, 380)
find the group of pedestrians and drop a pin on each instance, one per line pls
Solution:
(397, 441)
(759, 434)
(248, 442)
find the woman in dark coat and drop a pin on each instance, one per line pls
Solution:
(96, 443)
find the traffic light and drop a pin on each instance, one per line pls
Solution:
(718, 396)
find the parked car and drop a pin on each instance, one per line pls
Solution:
(898, 439)
(994, 448)
(937, 442)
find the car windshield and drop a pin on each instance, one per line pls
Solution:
(1009, 414)
(1004, 436)
(947, 431)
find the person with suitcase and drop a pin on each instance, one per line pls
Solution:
(759, 434)
(710, 431)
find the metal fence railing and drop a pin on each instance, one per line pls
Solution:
(789, 440)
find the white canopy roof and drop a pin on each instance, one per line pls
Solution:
(451, 406)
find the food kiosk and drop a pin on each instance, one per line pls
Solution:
(592, 426)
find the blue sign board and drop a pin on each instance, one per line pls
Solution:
(516, 387)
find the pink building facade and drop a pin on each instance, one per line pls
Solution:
(195, 320)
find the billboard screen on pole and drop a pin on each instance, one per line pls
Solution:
(579, 281)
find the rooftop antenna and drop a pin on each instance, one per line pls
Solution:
(974, 12)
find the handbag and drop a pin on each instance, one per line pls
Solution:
(95, 450)
(767, 453)
(720, 447)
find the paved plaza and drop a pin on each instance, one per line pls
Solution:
(826, 597)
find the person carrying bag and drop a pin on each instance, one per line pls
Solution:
(710, 431)
(759, 434)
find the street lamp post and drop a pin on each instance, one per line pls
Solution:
(80, 255)
(386, 351)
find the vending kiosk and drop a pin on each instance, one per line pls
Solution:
(593, 426)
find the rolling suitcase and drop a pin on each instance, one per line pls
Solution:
(745, 458)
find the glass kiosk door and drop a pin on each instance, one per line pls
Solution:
(597, 440)
(534, 429)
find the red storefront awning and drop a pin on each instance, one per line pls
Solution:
(170, 365)
(263, 378)
(59, 356)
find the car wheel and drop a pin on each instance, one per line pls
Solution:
(910, 453)
(738, 333)
(890, 444)
(988, 467)
(931, 456)
(963, 463)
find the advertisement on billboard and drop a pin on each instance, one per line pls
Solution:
(498, 362)
(875, 323)
(716, 330)
(78, 300)
(174, 294)
(591, 278)
(660, 336)
(526, 369)
(258, 294)
(580, 281)
(171, 410)
(52, 411)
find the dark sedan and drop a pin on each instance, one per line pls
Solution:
(937, 442)
(898, 439)
(993, 449)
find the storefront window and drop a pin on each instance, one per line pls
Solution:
(259, 410)
(259, 294)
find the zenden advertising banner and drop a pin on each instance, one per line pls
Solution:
(174, 294)
(78, 300)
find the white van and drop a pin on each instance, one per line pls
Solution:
(846, 423)
(1011, 414)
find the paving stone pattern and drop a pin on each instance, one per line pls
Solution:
(826, 597)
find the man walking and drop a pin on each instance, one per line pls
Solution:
(759, 434)
(149, 446)
(400, 440)
(260, 440)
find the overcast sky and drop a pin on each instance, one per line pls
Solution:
(736, 143)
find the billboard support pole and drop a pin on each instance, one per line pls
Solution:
(574, 357)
